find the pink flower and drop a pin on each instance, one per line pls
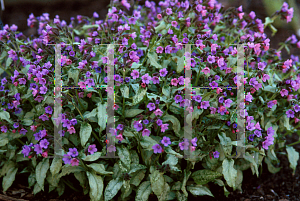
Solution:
(159, 16)
(33, 127)
(192, 148)
(71, 130)
(120, 137)
(74, 162)
(45, 154)
(164, 127)
(174, 82)
(80, 94)
(206, 70)
(158, 112)
(296, 120)
(219, 90)
(257, 126)
(284, 92)
(89, 95)
(159, 49)
(110, 90)
(111, 148)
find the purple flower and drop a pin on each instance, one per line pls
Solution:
(216, 154)
(44, 143)
(146, 78)
(257, 133)
(16, 125)
(73, 122)
(4, 129)
(178, 99)
(221, 99)
(146, 121)
(48, 110)
(163, 72)
(44, 117)
(213, 84)
(169, 11)
(157, 148)
(204, 105)
(297, 108)
(120, 127)
(290, 113)
(23, 131)
(135, 74)
(227, 102)
(166, 141)
(26, 150)
(198, 98)
(73, 152)
(67, 159)
(127, 79)
(159, 122)
(194, 141)
(151, 106)
(89, 82)
(184, 145)
(92, 149)
(155, 80)
(43, 90)
(211, 59)
(146, 132)
(138, 127)
(38, 149)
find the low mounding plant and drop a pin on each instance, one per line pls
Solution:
(150, 100)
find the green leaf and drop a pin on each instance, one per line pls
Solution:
(143, 192)
(165, 191)
(9, 178)
(270, 88)
(125, 91)
(286, 122)
(250, 158)
(73, 73)
(27, 122)
(36, 189)
(41, 171)
(185, 179)
(132, 112)
(175, 122)
(166, 91)
(99, 168)
(96, 186)
(112, 189)
(226, 143)
(162, 25)
(31, 179)
(199, 190)
(92, 157)
(56, 166)
(89, 26)
(5, 116)
(268, 21)
(157, 182)
(102, 115)
(153, 60)
(135, 87)
(217, 116)
(172, 160)
(204, 176)
(137, 177)
(229, 172)
(271, 167)
(180, 64)
(139, 96)
(8, 62)
(85, 133)
(60, 188)
(293, 156)
(124, 155)
(128, 133)
(147, 142)
(136, 167)
(70, 169)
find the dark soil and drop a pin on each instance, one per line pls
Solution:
(280, 186)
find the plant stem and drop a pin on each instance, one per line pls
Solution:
(78, 99)
(69, 185)
(292, 144)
